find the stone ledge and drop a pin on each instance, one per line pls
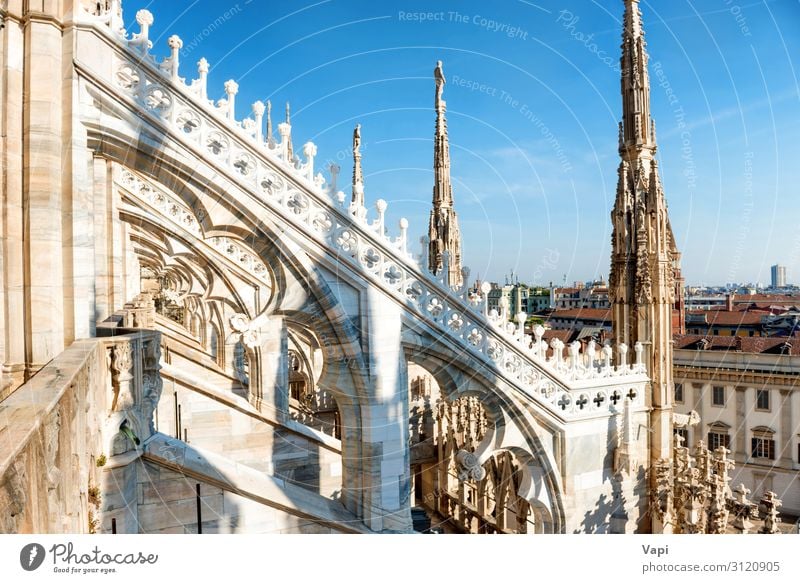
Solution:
(230, 476)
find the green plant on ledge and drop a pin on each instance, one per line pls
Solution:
(94, 496)
(93, 522)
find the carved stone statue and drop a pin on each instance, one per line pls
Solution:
(682, 420)
(742, 509)
(770, 503)
(357, 140)
(438, 76)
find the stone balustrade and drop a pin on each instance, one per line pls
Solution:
(90, 406)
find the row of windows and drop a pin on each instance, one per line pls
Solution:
(718, 396)
(715, 332)
(761, 447)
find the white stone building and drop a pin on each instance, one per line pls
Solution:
(750, 403)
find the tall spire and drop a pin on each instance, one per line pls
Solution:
(270, 138)
(357, 200)
(645, 263)
(443, 232)
(289, 150)
(637, 123)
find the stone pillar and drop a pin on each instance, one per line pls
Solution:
(699, 429)
(80, 309)
(12, 258)
(117, 250)
(386, 417)
(784, 441)
(744, 431)
(43, 203)
(103, 262)
(266, 341)
(274, 364)
(794, 424)
(739, 445)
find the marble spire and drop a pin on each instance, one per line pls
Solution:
(645, 274)
(443, 233)
(358, 175)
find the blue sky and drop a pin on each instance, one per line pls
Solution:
(533, 106)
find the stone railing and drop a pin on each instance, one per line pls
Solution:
(575, 383)
(90, 405)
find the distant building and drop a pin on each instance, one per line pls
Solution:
(778, 276)
(710, 301)
(582, 323)
(518, 297)
(722, 322)
(592, 295)
(746, 393)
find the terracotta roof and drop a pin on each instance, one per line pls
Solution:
(764, 308)
(726, 318)
(564, 335)
(755, 344)
(770, 298)
(597, 314)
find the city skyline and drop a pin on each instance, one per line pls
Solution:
(532, 106)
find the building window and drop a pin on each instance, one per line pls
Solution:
(717, 439)
(763, 447)
(679, 392)
(684, 433)
(762, 399)
(716, 332)
(718, 396)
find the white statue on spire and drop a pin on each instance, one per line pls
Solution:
(438, 75)
(357, 140)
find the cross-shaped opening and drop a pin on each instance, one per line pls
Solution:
(564, 402)
(615, 397)
(598, 400)
(582, 402)
(632, 394)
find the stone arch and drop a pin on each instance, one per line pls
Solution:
(512, 426)
(346, 370)
(533, 488)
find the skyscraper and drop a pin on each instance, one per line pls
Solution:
(778, 276)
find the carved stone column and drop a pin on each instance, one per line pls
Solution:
(123, 422)
(743, 510)
(770, 503)
(266, 341)
(152, 383)
(43, 171)
(386, 425)
(661, 497)
(12, 258)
